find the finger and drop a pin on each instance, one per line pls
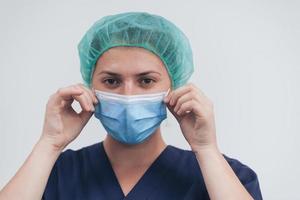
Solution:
(185, 89)
(171, 109)
(90, 101)
(85, 102)
(86, 96)
(85, 116)
(66, 93)
(90, 92)
(188, 106)
(63, 96)
(94, 93)
(186, 97)
(177, 93)
(81, 99)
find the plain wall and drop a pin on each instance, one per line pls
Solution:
(246, 56)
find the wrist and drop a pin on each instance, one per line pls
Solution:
(209, 146)
(48, 146)
(205, 150)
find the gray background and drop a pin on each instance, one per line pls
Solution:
(246, 57)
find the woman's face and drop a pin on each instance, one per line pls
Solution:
(129, 71)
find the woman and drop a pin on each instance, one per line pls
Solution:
(135, 66)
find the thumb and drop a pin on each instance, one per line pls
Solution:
(85, 116)
(171, 109)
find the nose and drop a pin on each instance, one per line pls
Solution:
(128, 88)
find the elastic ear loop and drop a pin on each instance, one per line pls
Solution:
(93, 89)
(168, 91)
(166, 124)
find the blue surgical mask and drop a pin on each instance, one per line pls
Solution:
(130, 119)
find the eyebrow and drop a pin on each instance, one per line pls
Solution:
(116, 74)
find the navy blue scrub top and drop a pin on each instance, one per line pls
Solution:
(87, 174)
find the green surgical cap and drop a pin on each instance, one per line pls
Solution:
(138, 29)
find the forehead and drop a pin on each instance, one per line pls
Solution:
(129, 59)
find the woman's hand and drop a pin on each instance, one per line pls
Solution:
(194, 112)
(62, 123)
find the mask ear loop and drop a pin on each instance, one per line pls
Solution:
(168, 92)
(94, 92)
(166, 124)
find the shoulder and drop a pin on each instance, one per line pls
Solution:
(183, 157)
(80, 152)
(72, 159)
(69, 171)
(245, 173)
(71, 156)
(72, 162)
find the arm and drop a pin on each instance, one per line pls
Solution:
(62, 125)
(194, 112)
(31, 179)
(220, 180)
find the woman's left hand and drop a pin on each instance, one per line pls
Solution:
(194, 112)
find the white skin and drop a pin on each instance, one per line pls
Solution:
(126, 70)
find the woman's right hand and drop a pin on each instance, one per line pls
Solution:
(62, 124)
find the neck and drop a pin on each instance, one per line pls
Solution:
(131, 155)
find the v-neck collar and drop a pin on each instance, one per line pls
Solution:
(150, 179)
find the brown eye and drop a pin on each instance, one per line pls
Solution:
(146, 81)
(111, 82)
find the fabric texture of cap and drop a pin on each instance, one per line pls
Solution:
(138, 29)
